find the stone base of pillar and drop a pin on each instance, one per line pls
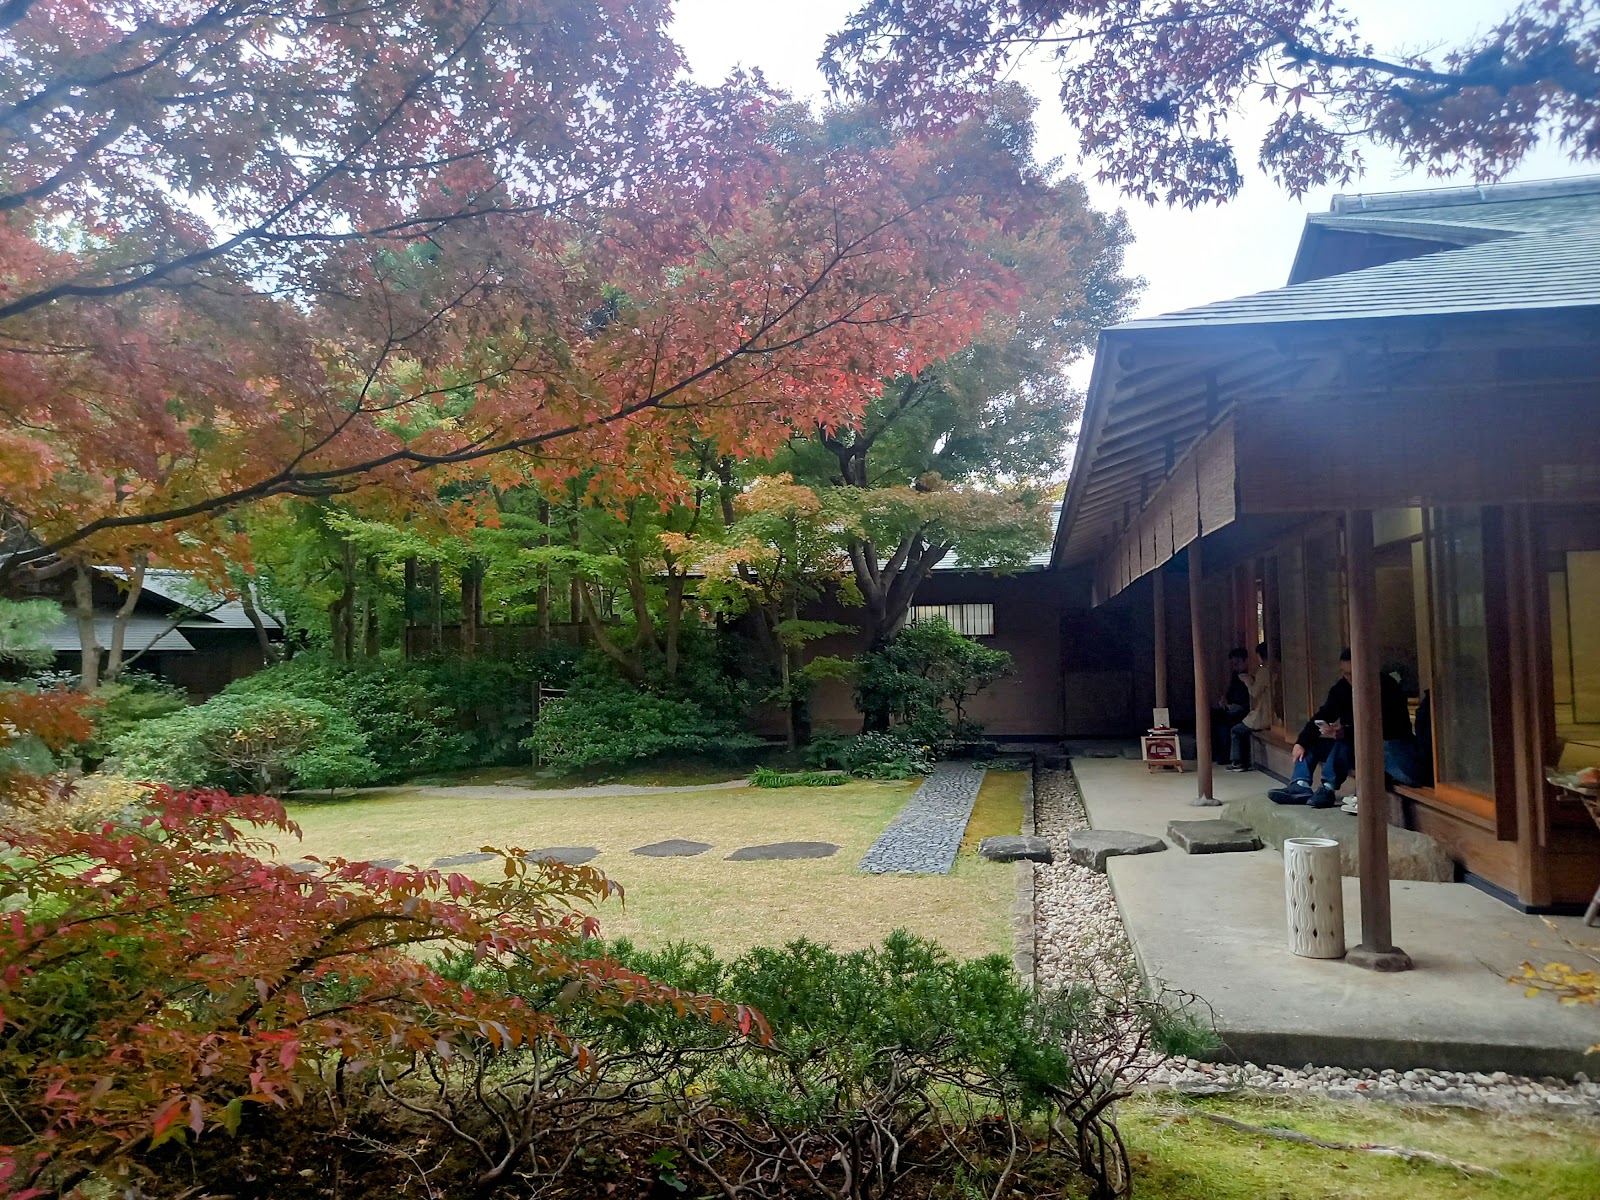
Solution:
(1205, 802)
(1368, 959)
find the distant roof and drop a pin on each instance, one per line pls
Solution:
(1038, 562)
(143, 633)
(1512, 247)
(211, 610)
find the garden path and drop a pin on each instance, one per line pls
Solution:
(925, 835)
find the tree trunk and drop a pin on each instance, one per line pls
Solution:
(409, 607)
(372, 606)
(247, 601)
(628, 664)
(469, 612)
(341, 613)
(88, 647)
(543, 600)
(674, 619)
(119, 622)
(435, 610)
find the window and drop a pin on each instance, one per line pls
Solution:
(974, 620)
(1463, 739)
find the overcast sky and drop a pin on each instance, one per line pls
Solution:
(1185, 257)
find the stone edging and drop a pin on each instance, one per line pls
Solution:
(1023, 954)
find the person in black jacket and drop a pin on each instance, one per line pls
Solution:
(1235, 703)
(1328, 739)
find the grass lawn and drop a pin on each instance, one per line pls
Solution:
(730, 905)
(1185, 1157)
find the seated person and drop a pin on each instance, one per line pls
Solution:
(1400, 757)
(1325, 740)
(1235, 703)
(1259, 685)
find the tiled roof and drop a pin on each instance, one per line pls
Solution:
(1554, 263)
(183, 589)
(144, 633)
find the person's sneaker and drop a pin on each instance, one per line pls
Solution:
(1324, 797)
(1294, 792)
(1349, 805)
(1237, 767)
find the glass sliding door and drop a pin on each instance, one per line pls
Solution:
(1463, 728)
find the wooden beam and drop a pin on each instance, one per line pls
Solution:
(1377, 951)
(1202, 690)
(1158, 592)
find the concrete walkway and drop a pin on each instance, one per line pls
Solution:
(1214, 925)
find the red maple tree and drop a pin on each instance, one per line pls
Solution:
(1151, 86)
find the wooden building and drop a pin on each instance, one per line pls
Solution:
(1398, 452)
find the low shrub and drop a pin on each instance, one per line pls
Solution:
(425, 715)
(132, 700)
(892, 755)
(611, 722)
(766, 777)
(258, 743)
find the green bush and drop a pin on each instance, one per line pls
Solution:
(257, 743)
(424, 715)
(925, 667)
(610, 723)
(132, 700)
(892, 755)
(766, 777)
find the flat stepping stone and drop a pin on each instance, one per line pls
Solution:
(1011, 847)
(783, 851)
(1092, 847)
(672, 848)
(1212, 837)
(572, 856)
(926, 834)
(461, 860)
(387, 864)
(305, 868)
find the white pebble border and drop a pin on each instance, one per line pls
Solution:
(1078, 932)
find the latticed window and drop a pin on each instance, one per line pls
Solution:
(974, 620)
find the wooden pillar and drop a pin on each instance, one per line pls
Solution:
(1377, 950)
(1206, 797)
(1529, 668)
(1158, 590)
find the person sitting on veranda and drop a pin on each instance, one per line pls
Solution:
(1234, 703)
(1324, 741)
(1258, 682)
(1328, 739)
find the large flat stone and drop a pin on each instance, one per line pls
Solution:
(1091, 847)
(1212, 837)
(783, 851)
(572, 856)
(672, 848)
(1412, 855)
(1010, 847)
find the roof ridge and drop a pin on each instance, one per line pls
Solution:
(1490, 193)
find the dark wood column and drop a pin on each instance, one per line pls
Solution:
(1206, 797)
(1158, 592)
(1377, 950)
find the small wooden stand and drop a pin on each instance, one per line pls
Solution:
(1161, 751)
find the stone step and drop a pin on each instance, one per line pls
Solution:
(1412, 855)
(1092, 847)
(1212, 837)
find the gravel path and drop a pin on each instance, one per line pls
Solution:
(1079, 936)
(925, 835)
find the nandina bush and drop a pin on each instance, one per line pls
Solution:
(162, 979)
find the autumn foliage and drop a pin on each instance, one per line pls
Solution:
(164, 977)
(389, 246)
(1152, 87)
